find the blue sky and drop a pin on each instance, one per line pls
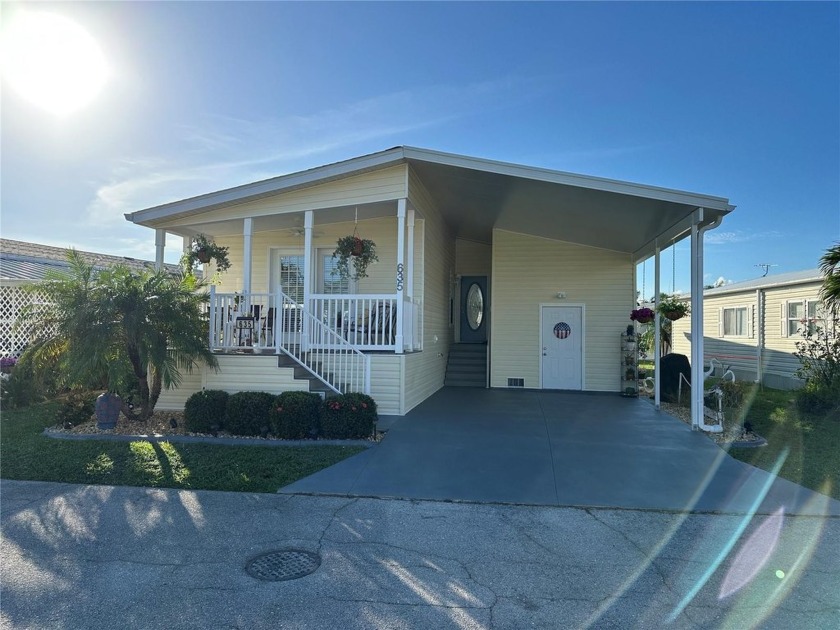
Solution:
(740, 100)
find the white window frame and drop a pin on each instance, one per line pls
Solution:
(808, 304)
(320, 255)
(748, 321)
(275, 255)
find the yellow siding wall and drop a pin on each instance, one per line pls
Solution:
(472, 259)
(425, 371)
(529, 271)
(380, 274)
(381, 185)
(741, 354)
(238, 373)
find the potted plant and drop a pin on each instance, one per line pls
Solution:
(361, 251)
(203, 250)
(642, 315)
(672, 307)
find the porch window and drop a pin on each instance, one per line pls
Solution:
(331, 282)
(291, 276)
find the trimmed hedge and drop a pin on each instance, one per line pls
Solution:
(295, 415)
(351, 416)
(247, 413)
(204, 411)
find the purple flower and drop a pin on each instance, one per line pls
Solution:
(642, 314)
(8, 362)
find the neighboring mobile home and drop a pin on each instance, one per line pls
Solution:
(21, 264)
(531, 269)
(753, 326)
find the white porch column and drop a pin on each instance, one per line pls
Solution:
(308, 275)
(401, 212)
(247, 233)
(160, 246)
(696, 320)
(409, 280)
(657, 333)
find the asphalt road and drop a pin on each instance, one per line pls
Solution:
(117, 557)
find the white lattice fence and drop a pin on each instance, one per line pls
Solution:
(14, 334)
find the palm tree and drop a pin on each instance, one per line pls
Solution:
(130, 332)
(830, 267)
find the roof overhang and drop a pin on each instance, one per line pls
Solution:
(477, 195)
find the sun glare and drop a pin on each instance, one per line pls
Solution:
(51, 61)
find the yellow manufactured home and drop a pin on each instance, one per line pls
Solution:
(753, 326)
(489, 274)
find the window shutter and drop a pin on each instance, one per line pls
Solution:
(784, 324)
(720, 322)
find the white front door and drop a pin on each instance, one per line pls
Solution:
(561, 345)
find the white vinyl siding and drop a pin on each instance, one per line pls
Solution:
(529, 271)
(741, 353)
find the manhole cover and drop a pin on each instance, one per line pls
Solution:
(283, 564)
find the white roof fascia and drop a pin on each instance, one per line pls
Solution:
(271, 186)
(569, 179)
(754, 285)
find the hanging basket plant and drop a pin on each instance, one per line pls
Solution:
(361, 252)
(642, 315)
(672, 307)
(203, 250)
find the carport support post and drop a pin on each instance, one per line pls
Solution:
(160, 246)
(696, 320)
(657, 333)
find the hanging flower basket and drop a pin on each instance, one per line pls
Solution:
(642, 315)
(203, 250)
(672, 307)
(361, 251)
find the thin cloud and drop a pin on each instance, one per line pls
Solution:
(227, 151)
(726, 238)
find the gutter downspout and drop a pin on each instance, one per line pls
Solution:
(760, 307)
(698, 419)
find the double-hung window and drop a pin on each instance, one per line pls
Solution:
(799, 314)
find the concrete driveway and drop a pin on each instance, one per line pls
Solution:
(561, 449)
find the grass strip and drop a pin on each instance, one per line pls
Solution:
(25, 453)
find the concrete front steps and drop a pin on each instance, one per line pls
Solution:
(467, 365)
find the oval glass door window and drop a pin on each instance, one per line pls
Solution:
(475, 306)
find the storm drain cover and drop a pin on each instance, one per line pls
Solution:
(283, 564)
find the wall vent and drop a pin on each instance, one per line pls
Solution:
(516, 382)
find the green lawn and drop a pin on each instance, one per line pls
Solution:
(814, 457)
(27, 454)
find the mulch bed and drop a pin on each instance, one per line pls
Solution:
(733, 433)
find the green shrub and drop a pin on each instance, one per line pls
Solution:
(247, 413)
(204, 411)
(76, 408)
(734, 392)
(294, 415)
(351, 416)
(20, 388)
(816, 400)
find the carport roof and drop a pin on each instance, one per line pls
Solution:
(477, 195)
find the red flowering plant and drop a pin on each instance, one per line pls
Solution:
(349, 416)
(642, 315)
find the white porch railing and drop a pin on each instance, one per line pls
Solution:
(368, 322)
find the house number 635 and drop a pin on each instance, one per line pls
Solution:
(400, 274)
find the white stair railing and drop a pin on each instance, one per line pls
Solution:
(322, 351)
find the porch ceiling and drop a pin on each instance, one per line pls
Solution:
(476, 196)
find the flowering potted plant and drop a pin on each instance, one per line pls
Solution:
(642, 315)
(203, 250)
(7, 363)
(361, 251)
(672, 307)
